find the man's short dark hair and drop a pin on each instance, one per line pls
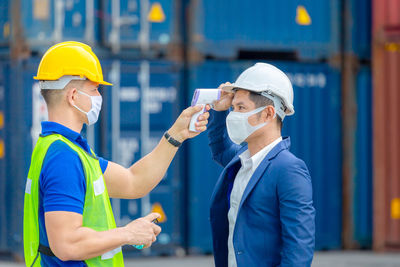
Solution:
(53, 96)
(262, 101)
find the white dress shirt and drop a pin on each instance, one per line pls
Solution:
(249, 165)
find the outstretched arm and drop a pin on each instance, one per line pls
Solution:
(140, 178)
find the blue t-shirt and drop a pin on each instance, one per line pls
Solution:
(62, 183)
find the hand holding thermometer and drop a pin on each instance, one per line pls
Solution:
(203, 97)
(142, 246)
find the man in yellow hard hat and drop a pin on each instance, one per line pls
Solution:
(68, 219)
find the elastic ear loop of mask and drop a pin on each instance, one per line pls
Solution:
(84, 112)
(279, 107)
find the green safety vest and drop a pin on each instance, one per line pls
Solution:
(97, 212)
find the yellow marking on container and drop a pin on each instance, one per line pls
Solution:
(395, 208)
(2, 152)
(6, 30)
(392, 47)
(302, 16)
(156, 207)
(1, 120)
(156, 13)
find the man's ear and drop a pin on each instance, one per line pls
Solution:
(268, 113)
(71, 96)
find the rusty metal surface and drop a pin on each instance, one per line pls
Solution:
(386, 118)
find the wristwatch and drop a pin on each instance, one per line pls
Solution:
(171, 140)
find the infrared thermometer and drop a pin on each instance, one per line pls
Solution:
(203, 97)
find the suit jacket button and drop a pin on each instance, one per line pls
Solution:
(240, 252)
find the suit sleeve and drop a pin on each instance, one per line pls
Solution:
(222, 148)
(297, 215)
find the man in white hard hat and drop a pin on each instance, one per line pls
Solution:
(262, 210)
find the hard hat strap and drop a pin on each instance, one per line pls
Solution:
(60, 83)
(279, 106)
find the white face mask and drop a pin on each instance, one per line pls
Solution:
(239, 127)
(93, 114)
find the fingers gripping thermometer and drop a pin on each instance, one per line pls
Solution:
(142, 246)
(203, 97)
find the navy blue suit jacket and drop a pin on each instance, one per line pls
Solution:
(275, 225)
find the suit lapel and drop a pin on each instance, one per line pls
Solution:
(222, 177)
(284, 144)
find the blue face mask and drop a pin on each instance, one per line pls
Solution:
(238, 126)
(93, 114)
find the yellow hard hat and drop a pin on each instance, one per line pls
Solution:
(72, 59)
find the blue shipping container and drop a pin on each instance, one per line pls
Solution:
(315, 132)
(3, 143)
(309, 29)
(128, 14)
(363, 174)
(4, 22)
(361, 25)
(163, 107)
(19, 87)
(163, 93)
(46, 22)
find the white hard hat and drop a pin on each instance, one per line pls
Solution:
(270, 82)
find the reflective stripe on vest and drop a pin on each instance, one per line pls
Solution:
(97, 212)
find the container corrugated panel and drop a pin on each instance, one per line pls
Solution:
(363, 148)
(163, 107)
(19, 88)
(163, 94)
(309, 28)
(4, 22)
(161, 33)
(203, 174)
(360, 24)
(3, 143)
(386, 66)
(386, 157)
(315, 132)
(385, 15)
(44, 23)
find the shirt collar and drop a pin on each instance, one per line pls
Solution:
(256, 159)
(50, 127)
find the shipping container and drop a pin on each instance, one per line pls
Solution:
(128, 23)
(3, 143)
(362, 184)
(4, 22)
(303, 29)
(358, 26)
(290, 29)
(386, 156)
(143, 103)
(39, 24)
(315, 132)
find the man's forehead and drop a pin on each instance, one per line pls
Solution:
(241, 94)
